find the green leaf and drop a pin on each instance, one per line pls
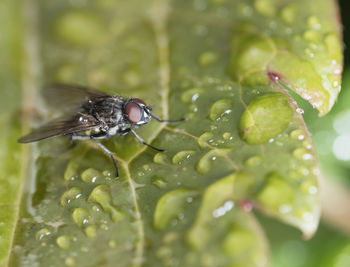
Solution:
(244, 144)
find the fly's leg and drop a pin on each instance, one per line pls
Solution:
(143, 141)
(108, 152)
(166, 121)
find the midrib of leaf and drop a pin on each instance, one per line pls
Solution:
(29, 84)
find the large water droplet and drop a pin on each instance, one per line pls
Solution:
(265, 7)
(298, 134)
(42, 233)
(90, 175)
(63, 241)
(80, 216)
(265, 117)
(70, 195)
(159, 182)
(180, 157)
(90, 231)
(220, 108)
(253, 161)
(207, 58)
(71, 172)
(70, 262)
(288, 13)
(160, 158)
(191, 95)
(205, 139)
(170, 205)
(101, 195)
(79, 28)
(302, 154)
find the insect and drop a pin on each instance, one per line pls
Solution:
(96, 115)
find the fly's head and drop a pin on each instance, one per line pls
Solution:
(136, 112)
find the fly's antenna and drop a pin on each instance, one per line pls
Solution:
(167, 121)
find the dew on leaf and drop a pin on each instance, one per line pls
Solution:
(90, 231)
(191, 95)
(170, 205)
(314, 23)
(238, 242)
(221, 211)
(42, 233)
(159, 182)
(80, 216)
(63, 241)
(180, 157)
(160, 158)
(214, 196)
(71, 172)
(312, 36)
(302, 154)
(253, 161)
(90, 175)
(220, 108)
(288, 13)
(70, 195)
(207, 58)
(70, 262)
(205, 139)
(112, 244)
(265, 7)
(79, 28)
(227, 136)
(276, 192)
(298, 134)
(309, 187)
(265, 117)
(101, 194)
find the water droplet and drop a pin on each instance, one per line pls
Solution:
(265, 117)
(79, 28)
(220, 108)
(160, 158)
(146, 167)
(180, 157)
(80, 216)
(227, 136)
(302, 154)
(288, 13)
(205, 139)
(159, 182)
(90, 231)
(312, 36)
(300, 111)
(63, 241)
(90, 175)
(69, 261)
(205, 163)
(307, 144)
(298, 134)
(101, 195)
(191, 95)
(265, 7)
(207, 58)
(42, 233)
(253, 161)
(70, 195)
(221, 211)
(314, 23)
(170, 205)
(71, 172)
(112, 244)
(276, 192)
(309, 187)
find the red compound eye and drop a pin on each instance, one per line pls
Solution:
(139, 101)
(133, 112)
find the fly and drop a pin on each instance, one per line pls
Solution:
(97, 116)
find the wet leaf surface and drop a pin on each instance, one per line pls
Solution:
(243, 146)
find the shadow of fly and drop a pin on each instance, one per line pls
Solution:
(96, 115)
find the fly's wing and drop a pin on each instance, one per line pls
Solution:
(70, 95)
(59, 127)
